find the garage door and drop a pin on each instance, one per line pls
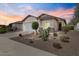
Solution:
(28, 27)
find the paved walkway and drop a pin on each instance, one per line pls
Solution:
(13, 48)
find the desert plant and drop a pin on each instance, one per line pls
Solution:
(55, 34)
(35, 26)
(67, 28)
(20, 35)
(64, 38)
(3, 30)
(31, 41)
(57, 45)
(44, 34)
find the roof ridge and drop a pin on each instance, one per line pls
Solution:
(27, 17)
(50, 15)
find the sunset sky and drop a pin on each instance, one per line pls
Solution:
(13, 12)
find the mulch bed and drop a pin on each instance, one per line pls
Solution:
(66, 49)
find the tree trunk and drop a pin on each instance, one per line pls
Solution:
(36, 32)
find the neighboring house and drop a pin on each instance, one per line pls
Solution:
(76, 27)
(16, 26)
(44, 21)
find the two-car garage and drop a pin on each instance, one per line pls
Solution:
(28, 27)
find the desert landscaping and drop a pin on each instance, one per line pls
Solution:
(42, 33)
(67, 48)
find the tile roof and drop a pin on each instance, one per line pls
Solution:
(41, 17)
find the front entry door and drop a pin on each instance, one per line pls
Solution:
(60, 26)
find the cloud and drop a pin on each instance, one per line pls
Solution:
(6, 19)
(61, 12)
(25, 8)
(18, 13)
(58, 12)
(29, 8)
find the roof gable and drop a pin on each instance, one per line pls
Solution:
(47, 17)
(20, 22)
(28, 17)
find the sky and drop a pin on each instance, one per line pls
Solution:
(12, 12)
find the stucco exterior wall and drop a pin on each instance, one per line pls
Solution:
(17, 26)
(62, 22)
(52, 24)
(27, 24)
(76, 27)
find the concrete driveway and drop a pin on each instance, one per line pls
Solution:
(13, 48)
(12, 34)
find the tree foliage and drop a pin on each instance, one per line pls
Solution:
(35, 25)
(75, 19)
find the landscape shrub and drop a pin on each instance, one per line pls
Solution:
(55, 34)
(20, 35)
(64, 38)
(57, 45)
(35, 26)
(3, 30)
(67, 28)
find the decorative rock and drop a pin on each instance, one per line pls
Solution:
(20, 35)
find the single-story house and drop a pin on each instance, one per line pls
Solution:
(44, 21)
